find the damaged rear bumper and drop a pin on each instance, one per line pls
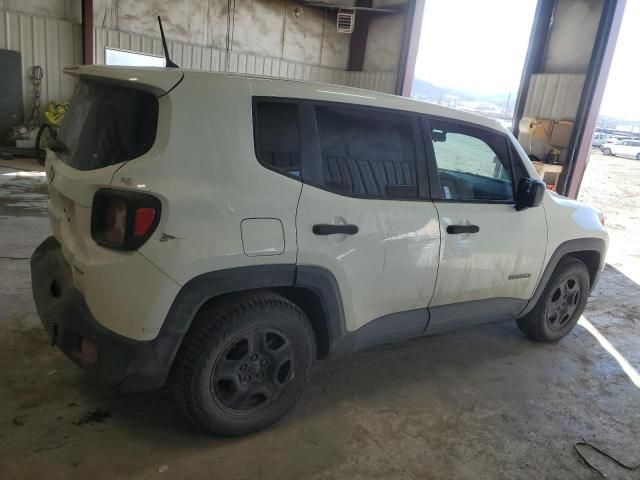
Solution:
(115, 360)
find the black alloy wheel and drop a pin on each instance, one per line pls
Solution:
(253, 371)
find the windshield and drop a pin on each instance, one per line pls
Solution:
(106, 124)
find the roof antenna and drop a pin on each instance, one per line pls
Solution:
(167, 60)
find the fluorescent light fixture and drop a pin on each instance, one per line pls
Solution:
(114, 56)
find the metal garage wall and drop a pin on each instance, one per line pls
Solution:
(216, 60)
(55, 43)
(50, 43)
(554, 96)
(551, 96)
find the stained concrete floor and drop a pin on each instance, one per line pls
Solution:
(483, 403)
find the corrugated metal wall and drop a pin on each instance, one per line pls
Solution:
(54, 44)
(554, 96)
(47, 42)
(211, 59)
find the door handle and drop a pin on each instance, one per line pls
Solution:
(330, 229)
(453, 229)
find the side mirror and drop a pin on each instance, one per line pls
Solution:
(529, 193)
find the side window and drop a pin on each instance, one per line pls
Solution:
(366, 152)
(277, 136)
(473, 163)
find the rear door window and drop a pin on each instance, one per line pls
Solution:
(367, 153)
(277, 136)
(107, 124)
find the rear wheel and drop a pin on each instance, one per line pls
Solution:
(638, 156)
(244, 363)
(561, 303)
(606, 151)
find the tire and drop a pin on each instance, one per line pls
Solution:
(244, 363)
(638, 156)
(561, 303)
(606, 151)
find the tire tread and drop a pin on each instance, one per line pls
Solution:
(214, 324)
(532, 323)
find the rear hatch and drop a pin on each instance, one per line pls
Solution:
(112, 119)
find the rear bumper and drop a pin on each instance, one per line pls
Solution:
(115, 360)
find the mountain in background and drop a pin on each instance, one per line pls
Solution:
(424, 90)
(427, 91)
(495, 106)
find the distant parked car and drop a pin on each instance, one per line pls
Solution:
(629, 148)
(600, 138)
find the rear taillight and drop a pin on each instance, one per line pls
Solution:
(122, 219)
(143, 221)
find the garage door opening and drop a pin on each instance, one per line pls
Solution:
(475, 62)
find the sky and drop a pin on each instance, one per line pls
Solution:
(622, 94)
(482, 50)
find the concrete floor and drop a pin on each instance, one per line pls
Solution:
(483, 403)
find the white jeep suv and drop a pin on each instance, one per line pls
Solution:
(218, 233)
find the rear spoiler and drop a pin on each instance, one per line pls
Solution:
(158, 81)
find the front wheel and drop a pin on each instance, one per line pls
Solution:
(244, 363)
(606, 151)
(638, 156)
(561, 303)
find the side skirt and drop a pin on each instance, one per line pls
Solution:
(387, 329)
(447, 318)
(426, 321)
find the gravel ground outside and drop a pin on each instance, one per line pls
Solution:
(613, 185)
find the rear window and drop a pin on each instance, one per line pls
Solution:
(107, 124)
(278, 138)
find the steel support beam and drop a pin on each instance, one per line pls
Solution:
(358, 42)
(410, 43)
(592, 94)
(87, 32)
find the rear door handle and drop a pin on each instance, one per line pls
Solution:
(330, 229)
(453, 229)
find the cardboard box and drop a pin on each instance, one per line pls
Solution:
(561, 133)
(542, 130)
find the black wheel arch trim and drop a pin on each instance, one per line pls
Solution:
(575, 246)
(208, 286)
(324, 286)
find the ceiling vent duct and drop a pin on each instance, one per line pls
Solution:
(346, 21)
